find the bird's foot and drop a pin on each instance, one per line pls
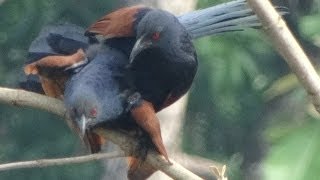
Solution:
(134, 100)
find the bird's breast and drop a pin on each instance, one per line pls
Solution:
(157, 75)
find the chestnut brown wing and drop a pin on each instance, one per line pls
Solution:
(52, 71)
(119, 23)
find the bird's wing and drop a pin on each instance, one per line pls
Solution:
(56, 63)
(144, 115)
(119, 23)
(64, 39)
(52, 71)
(171, 98)
(54, 53)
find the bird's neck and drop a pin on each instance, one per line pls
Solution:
(124, 44)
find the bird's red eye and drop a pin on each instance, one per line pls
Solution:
(93, 112)
(156, 36)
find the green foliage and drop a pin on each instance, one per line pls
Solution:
(225, 116)
(295, 155)
(310, 26)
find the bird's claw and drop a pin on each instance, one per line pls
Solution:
(134, 100)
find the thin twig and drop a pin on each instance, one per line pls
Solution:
(126, 143)
(288, 47)
(59, 161)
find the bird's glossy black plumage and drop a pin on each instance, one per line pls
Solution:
(163, 60)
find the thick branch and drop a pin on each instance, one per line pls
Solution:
(288, 47)
(30, 99)
(34, 100)
(59, 161)
(175, 171)
(126, 143)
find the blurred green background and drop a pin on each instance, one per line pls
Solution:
(246, 109)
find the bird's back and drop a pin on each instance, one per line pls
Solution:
(106, 79)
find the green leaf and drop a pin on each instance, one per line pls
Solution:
(310, 25)
(295, 156)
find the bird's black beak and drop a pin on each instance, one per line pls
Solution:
(141, 44)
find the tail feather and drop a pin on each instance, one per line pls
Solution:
(220, 9)
(232, 16)
(223, 18)
(238, 24)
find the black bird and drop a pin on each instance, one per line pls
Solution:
(161, 60)
(97, 86)
(159, 45)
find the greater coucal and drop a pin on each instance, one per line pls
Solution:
(163, 60)
(161, 57)
(96, 85)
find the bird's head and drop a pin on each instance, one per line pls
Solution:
(97, 93)
(157, 30)
(85, 109)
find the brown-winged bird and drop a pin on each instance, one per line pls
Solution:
(138, 60)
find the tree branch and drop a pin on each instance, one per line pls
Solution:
(59, 161)
(30, 99)
(126, 143)
(288, 47)
(175, 170)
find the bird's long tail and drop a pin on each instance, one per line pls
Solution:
(232, 16)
